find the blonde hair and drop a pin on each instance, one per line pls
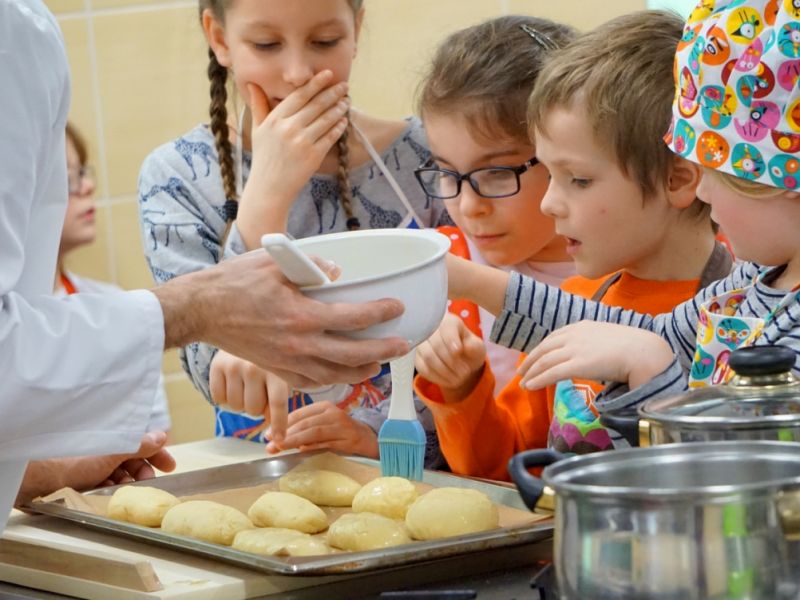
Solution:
(745, 187)
(485, 73)
(620, 76)
(218, 112)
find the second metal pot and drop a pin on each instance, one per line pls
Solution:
(762, 402)
(676, 522)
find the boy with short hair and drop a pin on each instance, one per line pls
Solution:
(625, 204)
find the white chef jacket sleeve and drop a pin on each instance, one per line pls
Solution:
(78, 376)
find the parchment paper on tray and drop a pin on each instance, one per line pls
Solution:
(242, 498)
(226, 485)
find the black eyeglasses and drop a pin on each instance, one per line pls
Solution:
(489, 182)
(75, 178)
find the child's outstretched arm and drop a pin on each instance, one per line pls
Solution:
(481, 284)
(532, 310)
(597, 351)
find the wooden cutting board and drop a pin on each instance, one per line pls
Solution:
(62, 557)
(58, 556)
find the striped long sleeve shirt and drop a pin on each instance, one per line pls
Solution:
(532, 310)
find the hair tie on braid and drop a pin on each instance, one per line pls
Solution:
(353, 223)
(231, 207)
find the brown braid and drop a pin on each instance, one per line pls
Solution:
(218, 111)
(343, 177)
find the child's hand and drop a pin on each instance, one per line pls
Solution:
(243, 387)
(323, 425)
(452, 358)
(290, 141)
(597, 351)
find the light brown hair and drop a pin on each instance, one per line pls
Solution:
(745, 187)
(485, 73)
(620, 76)
(218, 111)
(79, 143)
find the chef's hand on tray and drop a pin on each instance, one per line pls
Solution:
(240, 386)
(324, 425)
(452, 358)
(43, 477)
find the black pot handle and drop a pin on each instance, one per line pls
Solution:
(530, 487)
(626, 424)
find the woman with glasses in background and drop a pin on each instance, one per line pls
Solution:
(80, 229)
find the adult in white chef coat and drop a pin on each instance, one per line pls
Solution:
(78, 375)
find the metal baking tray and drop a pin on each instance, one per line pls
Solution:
(262, 471)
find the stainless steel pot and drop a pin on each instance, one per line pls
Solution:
(762, 402)
(675, 522)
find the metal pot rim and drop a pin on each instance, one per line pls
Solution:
(700, 422)
(557, 476)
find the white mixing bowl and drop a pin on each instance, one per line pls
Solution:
(407, 264)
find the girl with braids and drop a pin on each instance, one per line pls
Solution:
(297, 159)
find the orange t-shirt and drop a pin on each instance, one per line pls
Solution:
(479, 434)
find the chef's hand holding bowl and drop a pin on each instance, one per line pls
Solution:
(405, 264)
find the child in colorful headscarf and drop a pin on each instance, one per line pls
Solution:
(736, 113)
(645, 241)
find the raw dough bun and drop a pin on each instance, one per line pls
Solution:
(326, 488)
(366, 531)
(307, 546)
(281, 509)
(275, 541)
(387, 496)
(141, 505)
(204, 520)
(448, 511)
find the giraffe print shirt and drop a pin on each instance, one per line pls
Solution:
(182, 222)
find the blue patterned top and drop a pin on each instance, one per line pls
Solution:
(182, 220)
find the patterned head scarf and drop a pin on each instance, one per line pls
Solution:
(737, 102)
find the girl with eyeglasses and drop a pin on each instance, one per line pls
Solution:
(483, 169)
(79, 230)
(285, 150)
(481, 147)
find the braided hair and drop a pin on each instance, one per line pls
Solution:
(218, 112)
(343, 178)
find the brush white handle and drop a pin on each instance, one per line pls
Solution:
(296, 266)
(401, 405)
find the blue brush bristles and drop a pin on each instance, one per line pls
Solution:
(402, 449)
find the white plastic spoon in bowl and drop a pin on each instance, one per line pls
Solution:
(295, 264)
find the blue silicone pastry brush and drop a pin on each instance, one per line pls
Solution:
(401, 440)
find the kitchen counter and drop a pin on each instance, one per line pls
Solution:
(499, 574)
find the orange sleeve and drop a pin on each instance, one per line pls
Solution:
(479, 434)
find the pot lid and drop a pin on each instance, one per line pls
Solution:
(762, 394)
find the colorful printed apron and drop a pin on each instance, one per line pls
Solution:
(720, 331)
